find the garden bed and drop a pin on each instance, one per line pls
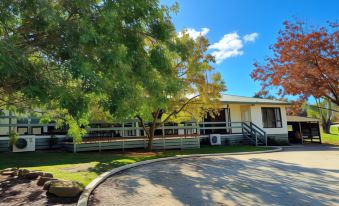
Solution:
(15, 191)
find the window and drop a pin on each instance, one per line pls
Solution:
(271, 117)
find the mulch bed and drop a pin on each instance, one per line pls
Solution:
(17, 191)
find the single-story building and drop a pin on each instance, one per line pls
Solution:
(242, 120)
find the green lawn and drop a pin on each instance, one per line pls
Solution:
(332, 138)
(84, 167)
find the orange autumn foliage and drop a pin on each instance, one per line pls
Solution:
(305, 62)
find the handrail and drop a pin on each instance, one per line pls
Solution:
(254, 130)
(258, 128)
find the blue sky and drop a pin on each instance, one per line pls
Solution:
(261, 19)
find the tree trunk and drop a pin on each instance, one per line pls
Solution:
(326, 117)
(326, 124)
(150, 137)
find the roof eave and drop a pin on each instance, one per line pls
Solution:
(262, 103)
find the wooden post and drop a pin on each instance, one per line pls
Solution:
(310, 129)
(123, 129)
(163, 136)
(74, 147)
(10, 122)
(319, 132)
(137, 132)
(302, 136)
(123, 144)
(198, 138)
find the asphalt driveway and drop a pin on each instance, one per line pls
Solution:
(296, 176)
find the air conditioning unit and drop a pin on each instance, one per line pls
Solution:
(215, 139)
(24, 144)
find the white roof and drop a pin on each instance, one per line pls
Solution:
(301, 119)
(226, 98)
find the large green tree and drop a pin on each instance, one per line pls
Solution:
(62, 55)
(188, 89)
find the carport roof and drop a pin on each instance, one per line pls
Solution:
(226, 98)
(301, 119)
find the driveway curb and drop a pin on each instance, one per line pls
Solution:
(83, 200)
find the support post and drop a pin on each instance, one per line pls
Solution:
(198, 138)
(256, 139)
(123, 144)
(320, 132)
(301, 135)
(123, 129)
(74, 148)
(163, 136)
(137, 131)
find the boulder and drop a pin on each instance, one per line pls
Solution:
(32, 175)
(8, 173)
(10, 169)
(15, 173)
(22, 172)
(65, 188)
(46, 174)
(48, 184)
(42, 180)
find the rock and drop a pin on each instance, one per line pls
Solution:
(32, 175)
(46, 174)
(10, 169)
(7, 173)
(22, 172)
(65, 188)
(15, 173)
(48, 184)
(42, 180)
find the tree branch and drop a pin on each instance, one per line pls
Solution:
(180, 109)
(143, 124)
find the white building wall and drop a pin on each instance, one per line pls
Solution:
(256, 116)
(235, 116)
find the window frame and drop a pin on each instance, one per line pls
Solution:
(276, 120)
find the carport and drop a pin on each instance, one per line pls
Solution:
(303, 129)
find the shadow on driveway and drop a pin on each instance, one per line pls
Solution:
(220, 181)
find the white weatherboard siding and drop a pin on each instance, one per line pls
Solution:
(257, 119)
(235, 116)
(245, 113)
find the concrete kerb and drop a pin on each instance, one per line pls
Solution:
(83, 200)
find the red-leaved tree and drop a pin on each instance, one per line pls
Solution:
(305, 62)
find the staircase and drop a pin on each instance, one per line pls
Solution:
(254, 134)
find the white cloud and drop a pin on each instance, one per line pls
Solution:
(250, 37)
(194, 33)
(229, 46)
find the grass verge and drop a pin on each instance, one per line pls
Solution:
(84, 167)
(332, 138)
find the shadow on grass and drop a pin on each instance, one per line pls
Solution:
(46, 158)
(106, 160)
